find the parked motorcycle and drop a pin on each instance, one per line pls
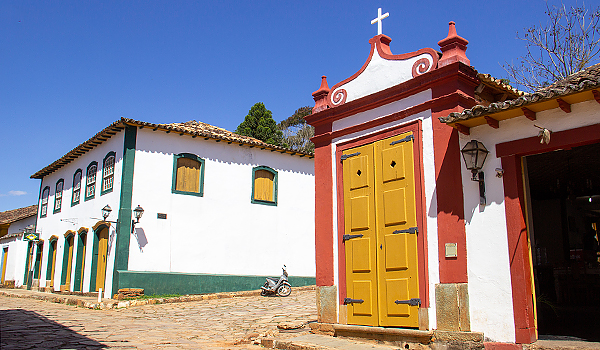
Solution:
(280, 286)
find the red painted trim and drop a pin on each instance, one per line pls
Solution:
(450, 203)
(492, 122)
(381, 44)
(564, 105)
(449, 194)
(596, 95)
(514, 203)
(560, 139)
(456, 75)
(455, 97)
(324, 216)
(415, 127)
(518, 249)
(465, 130)
(528, 113)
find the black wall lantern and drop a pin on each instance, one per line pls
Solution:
(474, 154)
(106, 211)
(137, 212)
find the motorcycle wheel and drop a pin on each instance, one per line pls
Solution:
(284, 290)
(264, 292)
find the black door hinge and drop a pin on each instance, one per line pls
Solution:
(407, 138)
(411, 302)
(408, 230)
(346, 156)
(353, 301)
(348, 237)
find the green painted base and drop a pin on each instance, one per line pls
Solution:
(159, 283)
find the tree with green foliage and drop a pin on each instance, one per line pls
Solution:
(297, 133)
(259, 123)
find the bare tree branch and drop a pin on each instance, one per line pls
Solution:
(569, 42)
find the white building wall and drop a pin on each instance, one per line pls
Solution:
(221, 232)
(83, 215)
(15, 262)
(488, 261)
(19, 225)
(428, 169)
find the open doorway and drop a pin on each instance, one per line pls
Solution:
(564, 226)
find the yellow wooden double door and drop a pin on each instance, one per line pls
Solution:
(381, 233)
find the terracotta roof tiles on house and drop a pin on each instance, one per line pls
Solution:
(192, 128)
(586, 79)
(10, 216)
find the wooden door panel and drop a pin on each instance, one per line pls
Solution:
(361, 254)
(396, 252)
(397, 289)
(363, 290)
(397, 263)
(360, 213)
(102, 256)
(394, 207)
(361, 171)
(392, 160)
(379, 204)
(359, 222)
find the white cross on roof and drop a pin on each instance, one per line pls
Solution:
(378, 19)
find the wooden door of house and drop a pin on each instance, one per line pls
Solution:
(67, 263)
(381, 233)
(102, 256)
(4, 260)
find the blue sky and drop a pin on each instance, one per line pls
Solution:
(70, 68)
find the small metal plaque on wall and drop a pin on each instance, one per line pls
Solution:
(451, 250)
(161, 216)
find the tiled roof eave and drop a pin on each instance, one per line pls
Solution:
(590, 83)
(83, 148)
(10, 216)
(243, 140)
(120, 124)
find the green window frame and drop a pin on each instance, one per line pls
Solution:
(179, 161)
(108, 173)
(90, 180)
(76, 195)
(255, 181)
(44, 200)
(58, 195)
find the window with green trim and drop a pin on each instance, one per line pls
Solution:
(90, 180)
(108, 173)
(188, 174)
(44, 208)
(58, 192)
(264, 185)
(76, 187)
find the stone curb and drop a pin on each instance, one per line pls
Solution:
(116, 304)
(271, 343)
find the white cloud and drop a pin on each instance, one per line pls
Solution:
(17, 193)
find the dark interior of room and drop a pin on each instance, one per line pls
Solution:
(564, 188)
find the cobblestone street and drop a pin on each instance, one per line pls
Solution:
(229, 323)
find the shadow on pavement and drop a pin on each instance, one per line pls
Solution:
(22, 329)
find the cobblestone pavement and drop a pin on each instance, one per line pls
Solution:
(231, 323)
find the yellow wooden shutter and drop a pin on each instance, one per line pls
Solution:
(263, 185)
(188, 175)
